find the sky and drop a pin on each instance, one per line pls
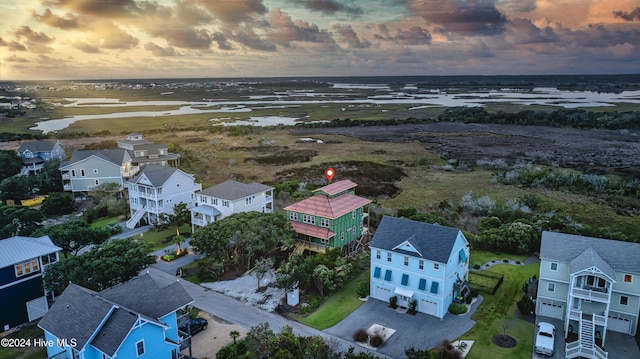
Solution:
(116, 39)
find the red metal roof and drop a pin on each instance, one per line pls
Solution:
(323, 206)
(311, 230)
(337, 187)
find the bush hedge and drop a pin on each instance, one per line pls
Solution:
(457, 308)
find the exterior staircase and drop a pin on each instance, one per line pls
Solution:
(585, 346)
(133, 221)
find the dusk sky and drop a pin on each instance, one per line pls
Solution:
(103, 39)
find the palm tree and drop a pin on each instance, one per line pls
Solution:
(234, 334)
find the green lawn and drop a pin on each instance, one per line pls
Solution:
(103, 222)
(157, 240)
(337, 307)
(482, 257)
(499, 309)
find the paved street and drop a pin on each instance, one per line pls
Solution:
(234, 311)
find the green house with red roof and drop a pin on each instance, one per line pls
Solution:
(331, 218)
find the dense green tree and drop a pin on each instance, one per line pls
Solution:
(58, 203)
(413, 353)
(49, 179)
(19, 221)
(74, 235)
(237, 239)
(102, 267)
(106, 193)
(263, 265)
(18, 187)
(181, 215)
(11, 164)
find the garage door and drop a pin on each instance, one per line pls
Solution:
(551, 310)
(428, 307)
(382, 293)
(621, 325)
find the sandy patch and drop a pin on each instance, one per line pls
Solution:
(207, 343)
(245, 288)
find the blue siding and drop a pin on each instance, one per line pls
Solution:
(14, 299)
(7, 275)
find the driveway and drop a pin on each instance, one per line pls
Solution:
(234, 311)
(421, 331)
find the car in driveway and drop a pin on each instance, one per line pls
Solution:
(545, 338)
(196, 325)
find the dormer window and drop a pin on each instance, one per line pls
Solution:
(553, 266)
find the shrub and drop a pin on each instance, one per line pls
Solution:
(360, 336)
(457, 308)
(393, 302)
(525, 305)
(474, 293)
(505, 260)
(313, 302)
(412, 305)
(476, 266)
(99, 211)
(376, 340)
(518, 262)
(363, 288)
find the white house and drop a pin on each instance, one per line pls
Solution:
(592, 285)
(145, 152)
(156, 189)
(87, 169)
(229, 197)
(418, 261)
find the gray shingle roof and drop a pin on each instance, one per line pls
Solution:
(116, 156)
(19, 249)
(433, 241)
(37, 146)
(233, 190)
(144, 296)
(157, 175)
(79, 312)
(590, 258)
(561, 247)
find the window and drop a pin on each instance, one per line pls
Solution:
(225, 203)
(421, 264)
(628, 278)
(423, 284)
(436, 266)
(405, 279)
(214, 201)
(551, 287)
(82, 174)
(376, 272)
(293, 216)
(389, 257)
(342, 236)
(96, 182)
(406, 261)
(73, 173)
(378, 254)
(624, 300)
(95, 171)
(247, 201)
(553, 266)
(203, 200)
(140, 348)
(309, 219)
(353, 214)
(325, 240)
(387, 275)
(324, 222)
(26, 267)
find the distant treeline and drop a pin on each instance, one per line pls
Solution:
(8, 136)
(574, 118)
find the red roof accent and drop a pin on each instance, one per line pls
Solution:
(311, 230)
(337, 187)
(323, 206)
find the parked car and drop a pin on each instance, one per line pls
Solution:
(196, 325)
(545, 338)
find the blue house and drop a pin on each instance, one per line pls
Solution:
(418, 261)
(34, 154)
(22, 295)
(135, 319)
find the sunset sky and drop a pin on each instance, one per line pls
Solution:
(103, 39)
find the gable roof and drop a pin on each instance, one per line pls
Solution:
(432, 241)
(562, 247)
(589, 259)
(112, 313)
(157, 175)
(37, 146)
(19, 249)
(117, 156)
(233, 190)
(337, 187)
(327, 207)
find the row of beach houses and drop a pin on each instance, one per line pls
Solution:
(590, 284)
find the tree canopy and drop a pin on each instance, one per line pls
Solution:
(18, 187)
(18, 221)
(11, 164)
(74, 235)
(239, 238)
(102, 267)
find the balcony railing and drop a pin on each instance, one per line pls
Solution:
(66, 176)
(597, 319)
(197, 187)
(575, 350)
(199, 222)
(67, 187)
(590, 294)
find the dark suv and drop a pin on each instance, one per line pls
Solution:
(196, 325)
